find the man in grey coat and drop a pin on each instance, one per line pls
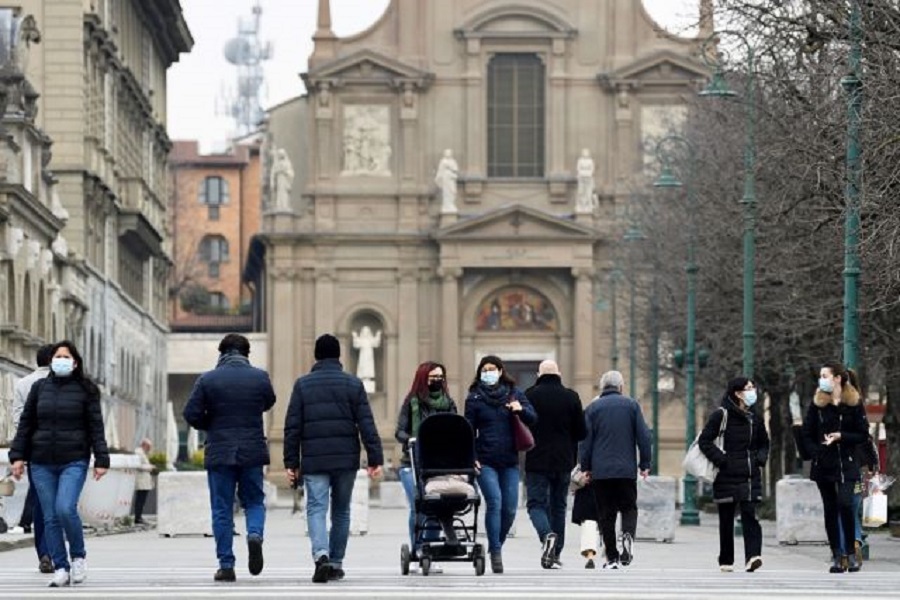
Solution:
(615, 427)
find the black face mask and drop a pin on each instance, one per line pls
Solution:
(436, 386)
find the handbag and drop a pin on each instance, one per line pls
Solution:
(521, 434)
(875, 510)
(696, 463)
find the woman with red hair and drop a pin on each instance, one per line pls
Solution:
(427, 395)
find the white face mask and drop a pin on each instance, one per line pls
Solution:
(750, 397)
(490, 377)
(826, 385)
(62, 366)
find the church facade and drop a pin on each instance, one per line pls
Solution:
(459, 169)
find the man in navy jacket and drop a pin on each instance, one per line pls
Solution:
(328, 412)
(228, 404)
(615, 427)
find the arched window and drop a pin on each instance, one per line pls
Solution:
(11, 316)
(27, 322)
(213, 251)
(214, 193)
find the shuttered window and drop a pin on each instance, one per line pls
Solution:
(516, 116)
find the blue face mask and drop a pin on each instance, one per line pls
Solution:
(62, 366)
(750, 397)
(490, 377)
(826, 385)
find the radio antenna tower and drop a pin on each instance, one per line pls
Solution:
(246, 52)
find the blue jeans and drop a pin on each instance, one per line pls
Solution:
(58, 488)
(222, 483)
(857, 527)
(409, 486)
(547, 493)
(37, 517)
(500, 489)
(319, 486)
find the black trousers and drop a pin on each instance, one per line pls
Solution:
(615, 496)
(140, 497)
(752, 531)
(837, 502)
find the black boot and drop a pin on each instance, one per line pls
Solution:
(836, 565)
(852, 564)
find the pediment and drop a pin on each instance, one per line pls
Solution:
(368, 67)
(516, 221)
(660, 68)
(516, 20)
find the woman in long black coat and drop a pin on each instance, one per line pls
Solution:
(738, 484)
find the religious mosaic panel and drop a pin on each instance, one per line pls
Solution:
(515, 309)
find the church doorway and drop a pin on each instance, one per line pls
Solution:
(523, 371)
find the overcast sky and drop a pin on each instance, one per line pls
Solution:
(199, 83)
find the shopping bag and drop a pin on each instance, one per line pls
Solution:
(696, 463)
(875, 510)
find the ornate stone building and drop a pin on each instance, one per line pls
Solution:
(101, 74)
(460, 167)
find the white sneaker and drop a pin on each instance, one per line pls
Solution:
(60, 578)
(79, 570)
(611, 565)
(16, 530)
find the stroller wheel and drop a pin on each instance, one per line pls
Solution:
(404, 559)
(479, 565)
(425, 565)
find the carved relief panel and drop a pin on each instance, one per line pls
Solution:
(366, 141)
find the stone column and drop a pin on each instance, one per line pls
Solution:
(282, 361)
(407, 325)
(450, 324)
(475, 100)
(557, 100)
(325, 302)
(583, 324)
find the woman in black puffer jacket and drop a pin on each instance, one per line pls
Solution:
(739, 481)
(834, 427)
(61, 426)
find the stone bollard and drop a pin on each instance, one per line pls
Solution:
(183, 507)
(799, 516)
(359, 504)
(657, 516)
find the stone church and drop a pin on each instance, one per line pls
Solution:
(457, 173)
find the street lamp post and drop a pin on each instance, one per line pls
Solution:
(853, 86)
(718, 88)
(667, 179)
(614, 278)
(632, 234)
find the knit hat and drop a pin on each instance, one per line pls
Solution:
(327, 346)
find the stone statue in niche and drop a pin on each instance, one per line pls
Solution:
(282, 179)
(445, 178)
(366, 342)
(585, 196)
(366, 143)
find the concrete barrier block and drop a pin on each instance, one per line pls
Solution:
(799, 515)
(657, 516)
(106, 501)
(183, 507)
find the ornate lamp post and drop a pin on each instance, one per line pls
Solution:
(632, 234)
(718, 88)
(667, 179)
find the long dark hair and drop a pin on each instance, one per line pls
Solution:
(734, 386)
(494, 360)
(78, 371)
(419, 387)
(848, 376)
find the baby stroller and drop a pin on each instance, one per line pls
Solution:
(445, 446)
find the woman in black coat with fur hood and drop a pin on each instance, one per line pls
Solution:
(834, 427)
(744, 452)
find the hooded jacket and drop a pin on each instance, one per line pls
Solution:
(746, 445)
(838, 460)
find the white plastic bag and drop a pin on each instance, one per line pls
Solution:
(875, 510)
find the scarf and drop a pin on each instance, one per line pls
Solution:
(496, 395)
(232, 357)
(436, 402)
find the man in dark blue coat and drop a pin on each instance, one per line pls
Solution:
(328, 413)
(228, 404)
(615, 427)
